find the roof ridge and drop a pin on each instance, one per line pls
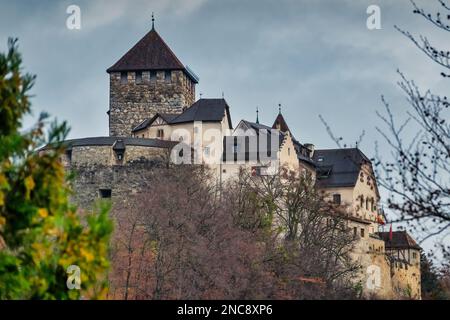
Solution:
(170, 50)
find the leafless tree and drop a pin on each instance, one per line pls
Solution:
(418, 176)
(192, 250)
(180, 239)
(311, 242)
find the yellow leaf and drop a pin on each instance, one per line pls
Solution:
(87, 255)
(2, 221)
(3, 181)
(43, 212)
(2, 199)
(29, 183)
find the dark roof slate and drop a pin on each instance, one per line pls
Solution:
(118, 142)
(167, 117)
(279, 121)
(206, 110)
(338, 167)
(149, 53)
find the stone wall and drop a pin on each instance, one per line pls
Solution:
(131, 102)
(406, 280)
(105, 155)
(97, 168)
(375, 272)
(122, 180)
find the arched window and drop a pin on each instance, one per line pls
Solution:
(362, 201)
(367, 203)
(372, 204)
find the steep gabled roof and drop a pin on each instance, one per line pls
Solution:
(167, 117)
(338, 167)
(279, 121)
(208, 110)
(205, 110)
(150, 53)
(400, 240)
(256, 126)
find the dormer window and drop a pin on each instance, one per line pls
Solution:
(123, 77)
(320, 159)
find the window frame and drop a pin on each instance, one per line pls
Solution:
(138, 77)
(123, 77)
(337, 199)
(168, 75)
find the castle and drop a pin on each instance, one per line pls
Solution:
(153, 108)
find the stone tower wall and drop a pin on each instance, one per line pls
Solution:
(131, 102)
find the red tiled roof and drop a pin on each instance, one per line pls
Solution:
(400, 240)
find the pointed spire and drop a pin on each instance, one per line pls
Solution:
(257, 115)
(279, 108)
(153, 21)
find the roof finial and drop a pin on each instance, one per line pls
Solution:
(257, 115)
(153, 21)
(279, 108)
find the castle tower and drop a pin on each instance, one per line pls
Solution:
(148, 79)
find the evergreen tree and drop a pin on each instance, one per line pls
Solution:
(41, 233)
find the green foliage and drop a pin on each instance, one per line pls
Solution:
(41, 233)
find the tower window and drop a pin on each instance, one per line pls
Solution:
(105, 193)
(139, 77)
(337, 198)
(69, 155)
(123, 77)
(168, 76)
(362, 232)
(152, 75)
(367, 203)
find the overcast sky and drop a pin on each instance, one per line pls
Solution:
(314, 57)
